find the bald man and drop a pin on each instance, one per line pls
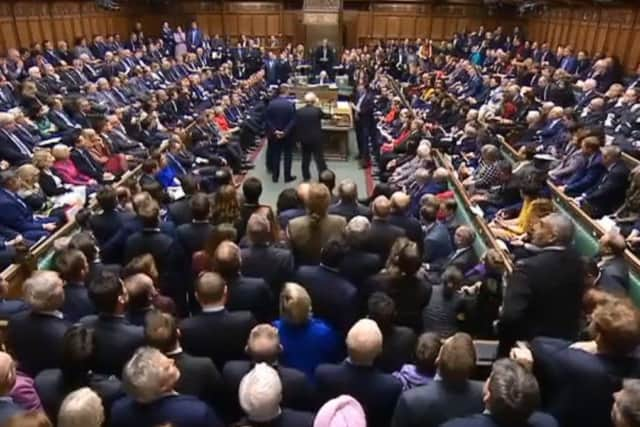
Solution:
(377, 392)
(141, 291)
(400, 217)
(7, 380)
(243, 293)
(263, 346)
(383, 233)
(348, 205)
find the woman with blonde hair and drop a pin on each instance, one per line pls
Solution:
(309, 233)
(307, 341)
(29, 189)
(64, 167)
(82, 408)
(50, 183)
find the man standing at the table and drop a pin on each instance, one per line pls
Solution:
(280, 117)
(309, 133)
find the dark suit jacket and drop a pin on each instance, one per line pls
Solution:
(280, 115)
(116, 340)
(106, 225)
(199, 377)
(614, 276)
(437, 244)
(251, 294)
(193, 236)
(358, 265)
(537, 303)
(10, 152)
(349, 210)
(465, 260)
(376, 392)
(86, 165)
(410, 294)
(382, 236)
(297, 391)
(608, 195)
(309, 125)
(437, 402)
(18, 216)
(398, 348)
(578, 386)
(537, 419)
(178, 410)
(334, 299)
(28, 331)
(274, 265)
(77, 303)
(231, 329)
(180, 211)
(410, 225)
(49, 186)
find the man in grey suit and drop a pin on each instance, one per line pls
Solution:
(451, 395)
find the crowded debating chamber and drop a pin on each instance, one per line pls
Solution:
(317, 213)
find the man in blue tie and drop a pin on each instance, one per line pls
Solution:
(194, 37)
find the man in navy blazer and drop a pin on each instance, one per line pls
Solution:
(150, 378)
(511, 397)
(375, 391)
(609, 193)
(194, 37)
(280, 118)
(16, 214)
(569, 62)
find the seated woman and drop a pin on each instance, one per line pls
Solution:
(29, 189)
(64, 167)
(533, 208)
(50, 183)
(115, 164)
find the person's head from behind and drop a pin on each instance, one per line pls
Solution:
(260, 393)
(429, 213)
(37, 419)
(108, 294)
(189, 184)
(333, 253)
(72, 266)
(452, 279)
(142, 264)
(404, 258)
(357, 231)
(615, 326)
(140, 291)
(364, 342)
(288, 199)
(342, 411)
(227, 260)
(555, 229)
(318, 201)
(427, 350)
(400, 202)
(382, 309)
(328, 178)
(511, 393)
(161, 331)
(81, 408)
(259, 229)
(348, 191)
(457, 358)
(626, 405)
(211, 289)
(200, 207)
(263, 344)
(252, 190)
(295, 304)
(149, 375)
(381, 208)
(43, 291)
(148, 211)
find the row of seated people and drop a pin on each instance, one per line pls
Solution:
(407, 363)
(60, 140)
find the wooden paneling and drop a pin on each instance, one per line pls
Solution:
(612, 31)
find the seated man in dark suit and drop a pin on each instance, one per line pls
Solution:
(198, 375)
(260, 396)
(264, 346)
(382, 234)
(511, 398)
(334, 298)
(348, 205)
(244, 293)
(578, 380)
(116, 338)
(16, 214)
(357, 376)
(74, 270)
(263, 259)
(42, 327)
(150, 378)
(230, 328)
(609, 193)
(8, 408)
(464, 257)
(455, 395)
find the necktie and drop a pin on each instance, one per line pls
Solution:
(21, 146)
(64, 118)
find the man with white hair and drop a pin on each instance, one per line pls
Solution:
(12, 148)
(377, 392)
(309, 133)
(43, 327)
(260, 394)
(554, 130)
(149, 378)
(588, 93)
(358, 263)
(427, 183)
(348, 205)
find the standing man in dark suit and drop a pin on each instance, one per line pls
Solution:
(357, 376)
(264, 346)
(510, 398)
(150, 379)
(365, 123)
(192, 236)
(454, 395)
(115, 338)
(609, 193)
(383, 234)
(194, 37)
(280, 118)
(42, 327)
(309, 133)
(348, 205)
(324, 58)
(198, 375)
(230, 328)
(537, 303)
(106, 224)
(359, 264)
(74, 270)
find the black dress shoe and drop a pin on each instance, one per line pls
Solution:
(291, 178)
